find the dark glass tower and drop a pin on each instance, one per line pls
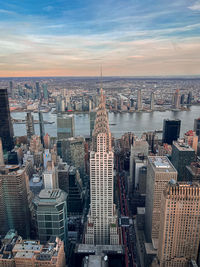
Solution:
(6, 127)
(171, 131)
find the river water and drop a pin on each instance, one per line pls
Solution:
(120, 123)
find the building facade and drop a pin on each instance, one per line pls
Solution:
(179, 235)
(65, 126)
(14, 206)
(102, 227)
(6, 127)
(159, 172)
(51, 214)
(171, 131)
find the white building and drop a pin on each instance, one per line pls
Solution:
(102, 227)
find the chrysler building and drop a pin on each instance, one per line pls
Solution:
(102, 225)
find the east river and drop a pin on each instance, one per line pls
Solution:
(120, 123)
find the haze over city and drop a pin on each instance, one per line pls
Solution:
(73, 38)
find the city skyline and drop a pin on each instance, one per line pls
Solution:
(56, 38)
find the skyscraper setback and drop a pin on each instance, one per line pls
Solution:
(102, 219)
(6, 127)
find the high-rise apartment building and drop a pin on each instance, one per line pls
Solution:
(197, 127)
(51, 214)
(139, 99)
(177, 99)
(6, 127)
(182, 155)
(41, 125)
(171, 131)
(191, 139)
(179, 234)
(30, 125)
(14, 209)
(102, 225)
(159, 172)
(152, 101)
(65, 126)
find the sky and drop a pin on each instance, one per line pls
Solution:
(76, 37)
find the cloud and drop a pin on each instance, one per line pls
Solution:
(195, 6)
(48, 8)
(7, 12)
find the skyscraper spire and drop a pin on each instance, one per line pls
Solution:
(101, 125)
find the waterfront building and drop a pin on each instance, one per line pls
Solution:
(102, 224)
(51, 214)
(41, 124)
(171, 131)
(189, 98)
(182, 102)
(6, 127)
(139, 99)
(159, 172)
(179, 234)
(182, 155)
(30, 126)
(197, 127)
(37, 90)
(176, 103)
(65, 126)
(14, 206)
(152, 101)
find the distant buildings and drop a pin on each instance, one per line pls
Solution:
(152, 101)
(139, 99)
(6, 127)
(179, 224)
(177, 99)
(41, 125)
(51, 214)
(171, 131)
(92, 121)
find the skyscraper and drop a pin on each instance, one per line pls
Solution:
(159, 172)
(1, 154)
(65, 126)
(139, 100)
(152, 101)
(171, 130)
(30, 125)
(179, 234)
(189, 98)
(51, 213)
(182, 155)
(197, 127)
(102, 225)
(14, 210)
(41, 124)
(177, 99)
(6, 127)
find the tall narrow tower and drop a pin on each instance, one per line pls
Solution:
(102, 219)
(6, 127)
(152, 101)
(139, 99)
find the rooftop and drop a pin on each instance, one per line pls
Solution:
(181, 146)
(161, 164)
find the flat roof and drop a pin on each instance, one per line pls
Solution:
(161, 164)
(99, 249)
(24, 254)
(182, 146)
